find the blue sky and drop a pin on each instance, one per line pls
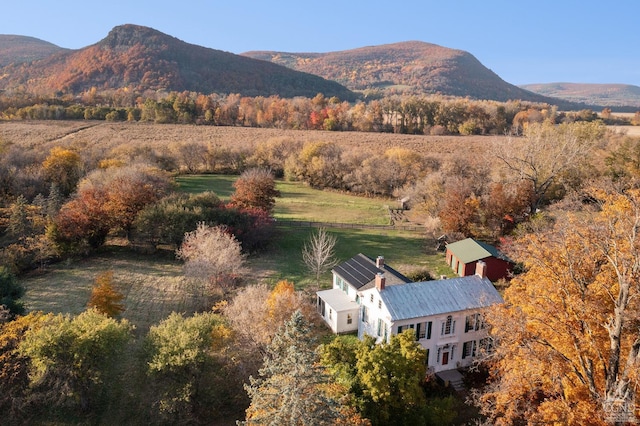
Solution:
(540, 41)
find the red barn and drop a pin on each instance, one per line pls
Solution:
(463, 255)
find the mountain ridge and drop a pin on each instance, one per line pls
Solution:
(614, 95)
(146, 59)
(143, 58)
(411, 66)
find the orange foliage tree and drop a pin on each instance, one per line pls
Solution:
(567, 341)
(104, 297)
(255, 188)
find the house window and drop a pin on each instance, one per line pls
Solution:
(469, 349)
(349, 319)
(423, 330)
(400, 329)
(380, 304)
(365, 314)
(380, 327)
(371, 298)
(473, 322)
(486, 344)
(449, 326)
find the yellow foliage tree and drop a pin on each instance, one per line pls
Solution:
(62, 166)
(104, 297)
(567, 340)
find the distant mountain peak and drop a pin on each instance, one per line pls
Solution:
(129, 35)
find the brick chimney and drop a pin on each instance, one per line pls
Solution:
(481, 269)
(380, 262)
(380, 281)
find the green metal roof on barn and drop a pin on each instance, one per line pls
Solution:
(470, 250)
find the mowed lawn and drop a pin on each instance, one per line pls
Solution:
(300, 202)
(153, 285)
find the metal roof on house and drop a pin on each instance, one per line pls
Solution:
(415, 300)
(337, 300)
(470, 250)
(361, 270)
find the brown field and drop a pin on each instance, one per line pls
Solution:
(627, 130)
(93, 133)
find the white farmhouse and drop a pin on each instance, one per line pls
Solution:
(445, 314)
(378, 301)
(339, 306)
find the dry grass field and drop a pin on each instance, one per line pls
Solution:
(98, 133)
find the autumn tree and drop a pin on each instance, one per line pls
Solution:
(127, 190)
(255, 188)
(289, 387)
(70, 357)
(384, 380)
(317, 164)
(318, 253)
(104, 298)
(256, 312)
(108, 200)
(170, 218)
(212, 256)
(567, 342)
(63, 167)
(189, 364)
(273, 153)
(14, 371)
(547, 153)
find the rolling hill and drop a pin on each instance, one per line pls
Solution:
(413, 67)
(15, 49)
(141, 58)
(613, 95)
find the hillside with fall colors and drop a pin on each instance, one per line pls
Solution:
(413, 67)
(15, 49)
(141, 58)
(613, 95)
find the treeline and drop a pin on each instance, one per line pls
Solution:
(426, 115)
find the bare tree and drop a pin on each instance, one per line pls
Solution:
(318, 253)
(547, 154)
(213, 256)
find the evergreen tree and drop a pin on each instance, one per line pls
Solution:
(19, 225)
(54, 201)
(289, 389)
(10, 292)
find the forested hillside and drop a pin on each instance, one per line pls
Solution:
(140, 58)
(409, 67)
(15, 49)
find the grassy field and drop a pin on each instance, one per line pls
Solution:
(300, 202)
